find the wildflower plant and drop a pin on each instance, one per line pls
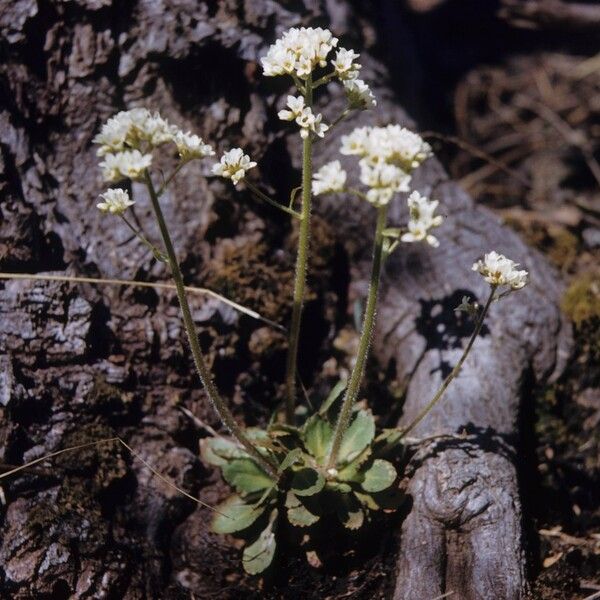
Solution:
(334, 464)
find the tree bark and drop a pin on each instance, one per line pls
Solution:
(81, 362)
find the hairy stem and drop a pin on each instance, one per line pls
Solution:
(454, 373)
(300, 274)
(203, 372)
(155, 251)
(270, 201)
(170, 178)
(365, 340)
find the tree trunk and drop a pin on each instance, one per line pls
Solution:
(82, 362)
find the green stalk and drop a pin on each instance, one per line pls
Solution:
(454, 373)
(365, 340)
(268, 200)
(300, 274)
(203, 372)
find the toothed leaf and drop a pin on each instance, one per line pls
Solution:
(367, 500)
(292, 457)
(219, 451)
(235, 515)
(350, 513)
(351, 472)
(317, 437)
(357, 437)
(339, 387)
(338, 486)
(379, 476)
(297, 513)
(307, 482)
(258, 556)
(246, 476)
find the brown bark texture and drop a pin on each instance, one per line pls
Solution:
(81, 362)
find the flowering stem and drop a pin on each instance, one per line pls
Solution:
(203, 372)
(365, 340)
(454, 373)
(268, 200)
(344, 114)
(300, 275)
(170, 178)
(155, 251)
(324, 79)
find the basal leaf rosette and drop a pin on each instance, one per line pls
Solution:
(307, 493)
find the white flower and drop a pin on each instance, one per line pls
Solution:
(406, 148)
(421, 220)
(296, 106)
(422, 208)
(233, 165)
(498, 270)
(384, 180)
(359, 94)
(344, 65)
(128, 129)
(318, 127)
(329, 178)
(116, 201)
(392, 144)
(113, 134)
(191, 146)
(130, 163)
(388, 155)
(304, 117)
(355, 143)
(299, 51)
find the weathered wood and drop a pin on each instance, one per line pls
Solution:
(83, 361)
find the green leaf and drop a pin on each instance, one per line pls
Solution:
(307, 482)
(297, 513)
(256, 434)
(317, 436)
(351, 472)
(367, 500)
(350, 513)
(259, 555)
(292, 457)
(235, 515)
(246, 476)
(339, 387)
(219, 451)
(338, 486)
(379, 476)
(357, 437)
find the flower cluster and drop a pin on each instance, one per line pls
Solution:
(383, 181)
(421, 220)
(233, 165)
(393, 144)
(127, 140)
(387, 157)
(129, 129)
(498, 270)
(329, 178)
(116, 201)
(344, 66)
(298, 52)
(127, 164)
(191, 146)
(359, 94)
(304, 117)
